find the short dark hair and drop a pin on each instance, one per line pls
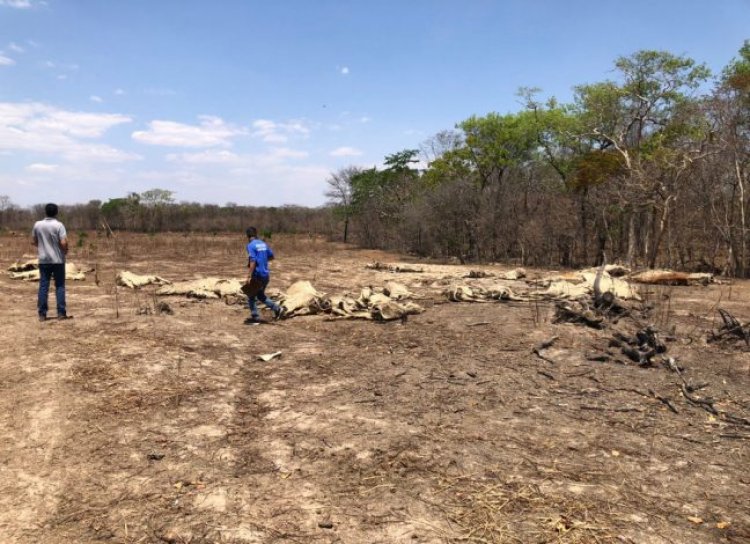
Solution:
(51, 210)
(251, 232)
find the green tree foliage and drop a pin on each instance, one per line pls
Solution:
(379, 196)
(633, 116)
(557, 130)
(121, 213)
(156, 197)
(494, 143)
(381, 190)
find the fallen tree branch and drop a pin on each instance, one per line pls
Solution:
(664, 400)
(708, 406)
(652, 395)
(731, 327)
(545, 374)
(478, 323)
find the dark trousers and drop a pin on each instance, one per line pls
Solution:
(261, 297)
(46, 272)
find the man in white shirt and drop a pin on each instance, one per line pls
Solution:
(51, 240)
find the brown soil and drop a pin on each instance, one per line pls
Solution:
(125, 426)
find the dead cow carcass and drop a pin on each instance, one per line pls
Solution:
(136, 281)
(24, 265)
(466, 293)
(301, 298)
(670, 277)
(72, 272)
(204, 288)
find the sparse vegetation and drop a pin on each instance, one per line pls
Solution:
(448, 427)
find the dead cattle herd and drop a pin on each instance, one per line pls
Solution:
(398, 400)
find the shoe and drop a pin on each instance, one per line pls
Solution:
(64, 317)
(252, 321)
(280, 313)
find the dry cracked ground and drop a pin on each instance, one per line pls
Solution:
(121, 426)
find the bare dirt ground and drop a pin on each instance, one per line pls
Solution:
(125, 428)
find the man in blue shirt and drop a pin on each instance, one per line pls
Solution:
(258, 272)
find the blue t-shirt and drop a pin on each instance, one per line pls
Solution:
(258, 251)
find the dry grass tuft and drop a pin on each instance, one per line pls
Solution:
(487, 510)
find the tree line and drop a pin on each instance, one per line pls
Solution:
(650, 168)
(157, 211)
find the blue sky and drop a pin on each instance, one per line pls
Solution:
(257, 102)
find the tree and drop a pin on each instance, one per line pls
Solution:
(440, 144)
(638, 119)
(498, 149)
(156, 197)
(6, 207)
(340, 195)
(736, 75)
(729, 111)
(497, 142)
(122, 212)
(5, 203)
(577, 161)
(154, 206)
(379, 197)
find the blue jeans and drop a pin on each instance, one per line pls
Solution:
(47, 271)
(261, 296)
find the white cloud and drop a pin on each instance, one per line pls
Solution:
(64, 68)
(245, 179)
(345, 71)
(13, 46)
(42, 168)
(6, 61)
(95, 98)
(223, 156)
(278, 133)
(268, 131)
(18, 4)
(247, 176)
(99, 153)
(212, 132)
(74, 123)
(271, 177)
(69, 135)
(73, 182)
(119, 92)
(345, 152)
(365, 119)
